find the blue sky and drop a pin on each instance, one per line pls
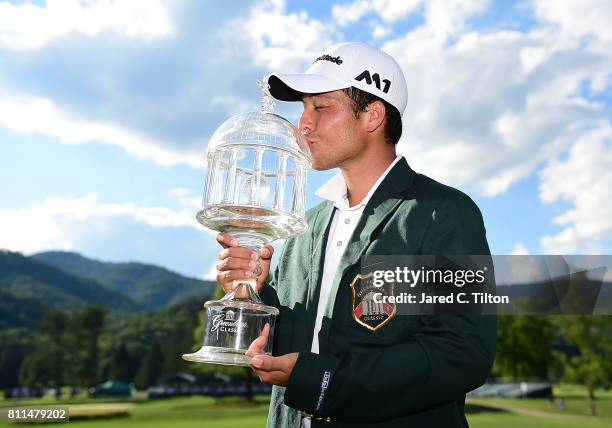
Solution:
(106, 109)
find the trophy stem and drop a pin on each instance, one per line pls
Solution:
(243, 290)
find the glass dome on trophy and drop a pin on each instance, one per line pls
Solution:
(256, 190)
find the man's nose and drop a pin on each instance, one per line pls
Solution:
(306, 124)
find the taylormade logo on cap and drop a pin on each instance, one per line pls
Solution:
(342, 66)
(336, 60)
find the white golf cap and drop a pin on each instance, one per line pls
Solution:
(342, 66)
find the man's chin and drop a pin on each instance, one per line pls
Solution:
(321, 166)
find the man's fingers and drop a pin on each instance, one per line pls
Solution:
(233, 263)
(226, 240)
(266, 252)
(241, 263)
(271, 377)
(274, 370)
(259, 345)
(228, 276)
(263, 362)
(269, 370)
(264, 334)
(238, 252)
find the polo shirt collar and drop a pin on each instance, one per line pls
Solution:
(335, 190)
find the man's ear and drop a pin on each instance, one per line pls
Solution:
(374, 116)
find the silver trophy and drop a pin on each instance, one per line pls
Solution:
(256, 190)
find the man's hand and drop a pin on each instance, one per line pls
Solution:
(240, 263)
(273, 370)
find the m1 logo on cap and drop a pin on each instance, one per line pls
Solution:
(374, 77)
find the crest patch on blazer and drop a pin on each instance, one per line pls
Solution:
(370, 314)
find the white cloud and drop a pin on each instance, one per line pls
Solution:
(519, 250)
(584, 180)
(380, 31)
(578, 17)
(233, 104)
(156, 91)
(352, 12)
(524, 270)
(186, 198)
(280, 41)
(38, 115)
(180, 191)
(389, 10)
(486, 109)
(27, 26)
(61, 222)
(445, 18)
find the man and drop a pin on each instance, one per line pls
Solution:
(330, 367)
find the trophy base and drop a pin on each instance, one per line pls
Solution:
(218, 355)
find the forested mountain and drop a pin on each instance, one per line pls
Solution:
(69, 320)
(30, 287)
(150, 286)
(19, 311)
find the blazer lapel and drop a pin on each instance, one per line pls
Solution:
(383, 203)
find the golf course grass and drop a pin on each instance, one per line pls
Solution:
(234, 412)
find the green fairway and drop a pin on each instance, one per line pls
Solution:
(574, 402)
(233, 412)
(185, 412)
(508, 420)
(572, 406)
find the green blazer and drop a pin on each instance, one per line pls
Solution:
(413, 372)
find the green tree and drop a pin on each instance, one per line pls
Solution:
(54, 326)
(82, 339)
(525, 347)
(12, 354)
(178, 341)
(122, 364)
(47, 362)
(36, 368)
(151, 367)
(592, 335)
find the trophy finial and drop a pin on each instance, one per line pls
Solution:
(267, 102)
